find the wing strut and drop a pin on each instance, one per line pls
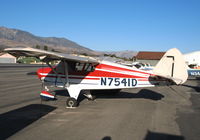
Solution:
(66, 74)
(47, 62)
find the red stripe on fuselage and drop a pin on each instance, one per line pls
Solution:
(109, 67)
(98, 73)
(49, 76)
(84, 78)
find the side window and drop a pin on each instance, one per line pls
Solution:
(89, 67)
(84, 67)
(79, 66)
(59, 68)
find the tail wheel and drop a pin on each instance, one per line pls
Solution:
(71, 102)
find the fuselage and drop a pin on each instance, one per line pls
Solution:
(194, 72)
(105, 75)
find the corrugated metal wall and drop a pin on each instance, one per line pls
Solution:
(7, 60)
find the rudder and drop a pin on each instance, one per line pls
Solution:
(172, 66)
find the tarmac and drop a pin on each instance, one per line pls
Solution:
(160, 113)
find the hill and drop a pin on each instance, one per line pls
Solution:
(18, 38)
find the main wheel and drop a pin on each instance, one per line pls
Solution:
(71, 102)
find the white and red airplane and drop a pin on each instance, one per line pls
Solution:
(76, 74)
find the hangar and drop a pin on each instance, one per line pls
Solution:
(7, 58)
(146, 57)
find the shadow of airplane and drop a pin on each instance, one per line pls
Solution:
(31, 73)
(107, 138)
(196, 88)
(162, 136)
(143, 93)
(15, 120)
(154, 136)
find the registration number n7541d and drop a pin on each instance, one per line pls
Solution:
(127, 82)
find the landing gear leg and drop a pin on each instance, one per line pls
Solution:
(89, 95)
(74, 92)
(71, 102)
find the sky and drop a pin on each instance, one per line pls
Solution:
(110, 25)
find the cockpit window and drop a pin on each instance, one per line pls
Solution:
(137, 66)
(79, 66)
(85, 67)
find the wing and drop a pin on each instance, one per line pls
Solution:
(48, 55)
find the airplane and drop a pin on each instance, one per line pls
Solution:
(194, 72)
(139, 65)
(88, 74)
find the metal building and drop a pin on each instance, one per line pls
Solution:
(7, 58)
(151, 58)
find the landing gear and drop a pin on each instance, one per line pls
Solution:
(71, 102)
(89, 96)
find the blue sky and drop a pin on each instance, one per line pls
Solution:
(110, 25)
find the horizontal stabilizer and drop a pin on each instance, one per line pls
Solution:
(172, 66)
(46, 94)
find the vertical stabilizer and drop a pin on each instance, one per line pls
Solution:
(172, 66)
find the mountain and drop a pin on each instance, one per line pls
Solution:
(122, 54)
(18, 38)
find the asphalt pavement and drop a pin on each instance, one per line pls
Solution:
(168, 112)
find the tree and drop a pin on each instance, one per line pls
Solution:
(112, 55)
(85, 54)
(45, 48)
(37, 46)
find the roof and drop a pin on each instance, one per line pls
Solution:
(6, 55)
(149, 55)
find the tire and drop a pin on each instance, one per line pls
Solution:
(71, 102)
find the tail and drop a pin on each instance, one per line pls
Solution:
(172, 66)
